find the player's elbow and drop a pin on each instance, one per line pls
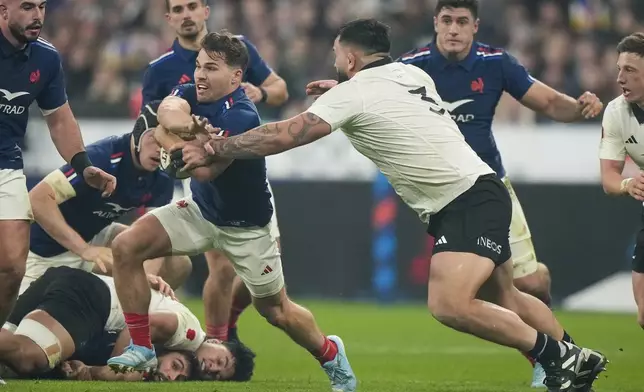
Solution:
(282, 93)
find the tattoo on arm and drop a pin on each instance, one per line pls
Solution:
(272, 138)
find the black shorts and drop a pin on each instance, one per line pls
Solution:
(78, 300)
(478, 221)
(638, 254)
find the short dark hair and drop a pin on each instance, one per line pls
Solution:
(244, 360)
(634, 43)
(193, 361)
(472, 5)
(167, 4)
(369, 35)
(232, 49)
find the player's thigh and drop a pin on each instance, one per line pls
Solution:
(15, 219)
(107, 235)
(255, 255)
(523, 254)
(471, 235)
(174, 229)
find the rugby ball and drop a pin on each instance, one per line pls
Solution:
(172, 164)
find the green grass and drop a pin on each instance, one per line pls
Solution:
(402, 349)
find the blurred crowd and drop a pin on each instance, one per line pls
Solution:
(106, 44)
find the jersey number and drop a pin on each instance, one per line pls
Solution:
(433, 105)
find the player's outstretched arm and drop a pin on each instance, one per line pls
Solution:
(561, 107)
(67, 138)
(272, 138)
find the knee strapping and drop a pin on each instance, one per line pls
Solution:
(43, 337)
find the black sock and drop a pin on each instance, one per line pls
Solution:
(567, 338)
(545, 347)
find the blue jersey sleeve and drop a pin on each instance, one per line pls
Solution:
(257, 70)
(101, 155)
(238, 120)
(164, 193)
(516, 79)
(152, 89)
(53, 94)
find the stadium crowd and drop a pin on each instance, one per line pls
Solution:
(106, 44)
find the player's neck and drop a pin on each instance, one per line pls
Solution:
(454, 56)
(192, 43)
(226, 93)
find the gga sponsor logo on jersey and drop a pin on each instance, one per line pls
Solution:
(8, 96)
(452, 106)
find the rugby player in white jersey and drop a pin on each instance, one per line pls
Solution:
(392, 114)
(71, 314)
(622, 136)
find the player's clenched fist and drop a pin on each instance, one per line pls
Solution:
(635, 186)
(590, 105)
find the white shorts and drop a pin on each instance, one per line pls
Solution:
(37, 265)
(275, 230)
(524, 257)
(14, 197)
(253, 251)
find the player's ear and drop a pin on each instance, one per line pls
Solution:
(351, 61)
(4, 11)
(237, 76)
(476, 25)
(207, 12)
(435, 24)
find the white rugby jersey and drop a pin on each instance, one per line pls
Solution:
(393, 115)
(189, 334)
(622, 132)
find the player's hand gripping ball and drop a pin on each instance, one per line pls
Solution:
(172, 163)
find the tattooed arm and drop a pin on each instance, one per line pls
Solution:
(272, 138)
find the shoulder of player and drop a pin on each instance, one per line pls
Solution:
(618, 107)
(109, 148)
(489, 52)
(44, 48)
(415, 55)
(162, 60)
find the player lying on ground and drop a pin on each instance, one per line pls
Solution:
(392, 114)
(470, 77)
(229, 210)
(188, 18)
(71, 314)
(75, 225)
(622, 136)
(32, 71)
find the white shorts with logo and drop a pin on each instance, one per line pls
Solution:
(275, 230)
(253, 251)
(37, 265)
(524, 257)
(14, 197)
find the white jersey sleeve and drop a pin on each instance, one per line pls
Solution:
(612, 143)
(189, 334)
(338, 106)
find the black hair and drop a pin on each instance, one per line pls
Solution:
(369, 35)
(195, 367)
(634, 43)
(472, 5)
(229, 47)
(244, 360)
(167, 4)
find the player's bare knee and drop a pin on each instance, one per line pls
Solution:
(127, 250)
(11, 273)
(448, 309)
(274, 309)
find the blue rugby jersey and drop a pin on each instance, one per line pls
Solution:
(32, 73)
(471, 90)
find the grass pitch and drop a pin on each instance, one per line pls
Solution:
(400, 348)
